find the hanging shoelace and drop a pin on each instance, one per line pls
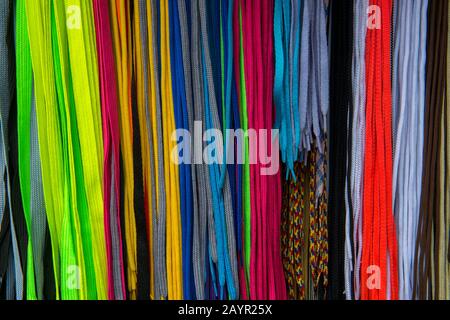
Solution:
(356, 174)
(242, 94)
(147, 137)
(111, 134)
(197, 244)
(159, 214)
(122, 50)
(221, 198)
(231, 120)
(379, 234)
(38, 15)
(285, 90)
(340, 104)
(442, 261)
(314, 93)
(81, 50)
(409, 64)
(174, 255)
(426, 264)
(293, 233)
(11, 267)
(29, 161)
(182, 123)
(140, 147)
(265, 263)
(304, 223)
(102, 200)
(447, 169)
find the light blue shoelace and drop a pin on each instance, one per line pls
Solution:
(409, 106)
(354, 250)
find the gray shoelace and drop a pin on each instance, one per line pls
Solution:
(159, 220)
(37, 205)
(204, 223)
(14, 278)
(152, 185)
(199, 205)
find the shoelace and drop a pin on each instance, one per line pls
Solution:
(198, 255)
(222, 202)
(76, 214)
(231, 120)
(231, 105)
(13, 279)
(140, 158)
(251, 94)
(287, 108)
(447, 170)
(29, 161)
(204, 231)
(119, 25)
(174, 258)
(443, 256)
(340, 101)
(147, 137)
(159, 217)
(111, 134)
(358, 132)
(314, 93)
(242, 92)
(38, 15)
(84, 70)
(182, 122)
(426, 264)
(377, 213)
(409, 137)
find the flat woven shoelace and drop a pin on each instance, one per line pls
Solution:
(293, 234)
(358, 133)
(75, 251)
(71, 246)
(285, 88)
(14, 279)
(29, 170)
(84, 70)
(38, 15)
(409, 134)
(314, 93)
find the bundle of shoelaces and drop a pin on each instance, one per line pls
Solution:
(140, 142)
